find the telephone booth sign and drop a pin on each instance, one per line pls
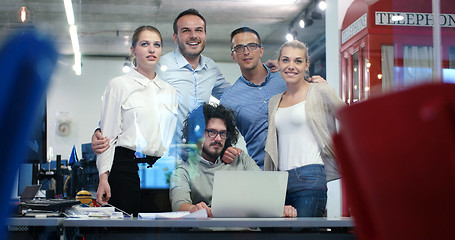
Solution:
(387, 45)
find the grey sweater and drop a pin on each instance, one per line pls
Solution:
(192, 180)
(321, 105)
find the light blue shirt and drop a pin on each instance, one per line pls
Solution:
(250, 102)
(194, 86)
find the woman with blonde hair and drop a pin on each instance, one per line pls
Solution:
(301, 122)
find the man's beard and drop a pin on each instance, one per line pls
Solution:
(215, 154)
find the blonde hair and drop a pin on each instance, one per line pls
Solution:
(297, 45)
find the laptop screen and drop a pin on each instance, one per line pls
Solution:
(30, 192)
(249, 193)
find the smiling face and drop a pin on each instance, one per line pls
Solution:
(293, 64)
(190, 37)
(213, 146)
(147, 50)
(248, 59)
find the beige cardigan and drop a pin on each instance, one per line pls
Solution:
(321, 105)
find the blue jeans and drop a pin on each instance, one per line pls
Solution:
(307, 190)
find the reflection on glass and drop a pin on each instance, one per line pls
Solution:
(417, 64)
(355, 77)
(448, 74)
(387, 66)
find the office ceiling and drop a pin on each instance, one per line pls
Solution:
(104, 26)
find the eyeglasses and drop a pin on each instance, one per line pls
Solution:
(241, 48)
(212, 133)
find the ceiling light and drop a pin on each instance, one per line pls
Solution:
(23, 14)
(69, 11)
(74, 38)
(289, 37)
(302, 23)
(77, 67)
(322, 5)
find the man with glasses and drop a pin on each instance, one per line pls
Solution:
(250, 94)
(192, 181)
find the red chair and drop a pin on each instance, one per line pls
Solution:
(397, 158)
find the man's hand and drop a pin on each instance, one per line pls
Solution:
(103, 194)
(317, 79)
(273, 65)
(200, 206)
(230, 154)
(99, 143)
(289, 211)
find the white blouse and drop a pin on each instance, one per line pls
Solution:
(139, 114)
(296, 143)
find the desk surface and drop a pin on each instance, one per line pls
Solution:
(212, 222)
(35, 222)
(171, 223)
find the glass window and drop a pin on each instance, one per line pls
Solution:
(448, 74)
(417, 64)
(387, 67)
(355, 77)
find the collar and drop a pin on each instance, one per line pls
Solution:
(207, 162)
(183, 63)
(143, 80)
(267, 78)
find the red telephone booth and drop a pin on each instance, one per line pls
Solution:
(388, 45)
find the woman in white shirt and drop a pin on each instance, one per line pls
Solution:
(301, 121)
(139, 116)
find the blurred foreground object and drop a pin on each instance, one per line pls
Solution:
(397, 158)
(27, 61)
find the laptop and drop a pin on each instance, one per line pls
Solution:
(30, 192)
(249, 194)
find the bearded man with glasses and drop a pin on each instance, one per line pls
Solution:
(209, 135)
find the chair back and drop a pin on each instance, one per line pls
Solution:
(27, 60)
(397, 158)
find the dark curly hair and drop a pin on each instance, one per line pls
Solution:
(194, 120)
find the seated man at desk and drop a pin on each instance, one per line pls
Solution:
(192, 181)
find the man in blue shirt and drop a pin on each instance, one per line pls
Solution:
(250, 94)
(194, 76)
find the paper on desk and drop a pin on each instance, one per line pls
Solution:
(202, 213)
(83, 212)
